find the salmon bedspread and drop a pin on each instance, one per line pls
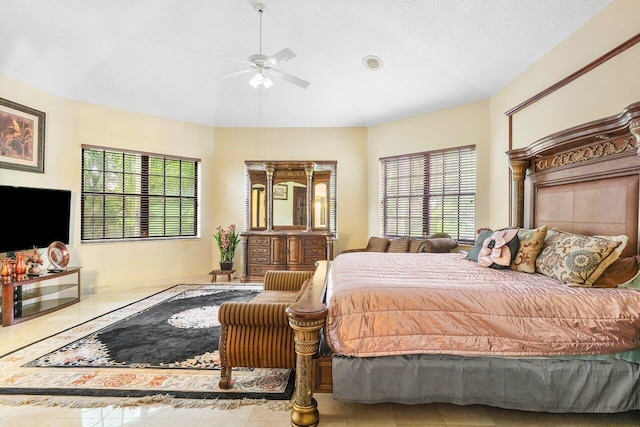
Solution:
(384, 304)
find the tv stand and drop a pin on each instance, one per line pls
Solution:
(34, 296)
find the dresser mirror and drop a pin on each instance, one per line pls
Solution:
(287, 196)
(258, 206)
(320, 205)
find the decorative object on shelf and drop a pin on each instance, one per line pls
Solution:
(58, 256)
(227, 242)
(5, 271)
(12, 268)
(23, 137)
(34, 261)
(21, 265)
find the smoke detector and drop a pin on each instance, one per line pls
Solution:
(372, 62)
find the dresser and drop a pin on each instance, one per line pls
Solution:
(283, 250)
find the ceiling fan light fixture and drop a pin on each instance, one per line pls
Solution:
(256, 80)
(260, 79)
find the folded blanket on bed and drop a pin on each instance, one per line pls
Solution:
(390, 304)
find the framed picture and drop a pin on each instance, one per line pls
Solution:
(21, 137)
(280, 192)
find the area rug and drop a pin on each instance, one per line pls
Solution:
(161, 348)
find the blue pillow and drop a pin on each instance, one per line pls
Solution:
(472, 255)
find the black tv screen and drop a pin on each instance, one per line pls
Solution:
(33, 217)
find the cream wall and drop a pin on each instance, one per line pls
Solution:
(345, 145)
(464, 125)
(604, 91)
(69, 124)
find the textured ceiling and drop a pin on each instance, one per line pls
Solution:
(161, 56)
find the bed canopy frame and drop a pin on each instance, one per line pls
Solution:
(584, 179)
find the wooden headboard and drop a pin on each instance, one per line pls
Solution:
(583, 180)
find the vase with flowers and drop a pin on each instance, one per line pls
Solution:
(34, 260)
(228, 240)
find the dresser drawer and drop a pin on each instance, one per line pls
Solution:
(261, 270)
(319, 242)
(315, 252)
(260, 250)
(259, 241)
(259, 259)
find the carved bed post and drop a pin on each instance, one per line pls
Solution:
(518, 172)
(634, 127)
(306, 318)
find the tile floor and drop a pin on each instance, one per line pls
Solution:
(332, 413)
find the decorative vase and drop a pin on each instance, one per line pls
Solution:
(226, 265)
(21, 265)
(5, 272)
(12, 268)
(34, 269)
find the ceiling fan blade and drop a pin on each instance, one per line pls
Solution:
(231, 58)
(288, 77)
(232, 74)
(279, 58)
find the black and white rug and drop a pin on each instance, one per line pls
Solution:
(165, 344)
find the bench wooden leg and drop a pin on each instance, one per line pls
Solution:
(225, 377)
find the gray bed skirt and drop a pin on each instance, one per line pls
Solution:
(537, 384)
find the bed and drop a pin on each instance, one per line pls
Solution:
(419, 328)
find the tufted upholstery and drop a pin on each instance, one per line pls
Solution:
(256, 333)
(438, 242)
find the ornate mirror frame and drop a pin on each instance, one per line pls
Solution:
(273, 183)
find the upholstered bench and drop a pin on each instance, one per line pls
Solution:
(256, 333)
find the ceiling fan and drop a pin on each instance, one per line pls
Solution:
(263, 67)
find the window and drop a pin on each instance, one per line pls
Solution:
(331, 166)
(130, 195)
(429, 192)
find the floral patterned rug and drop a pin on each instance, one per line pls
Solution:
(165, 344)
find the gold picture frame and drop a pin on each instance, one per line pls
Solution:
(21, 137)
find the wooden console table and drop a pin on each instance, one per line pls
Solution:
(50, 291)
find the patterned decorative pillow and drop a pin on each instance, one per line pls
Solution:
(613, 257)
(572, 258)
(531, 243)
(377, 244)
(398, 245)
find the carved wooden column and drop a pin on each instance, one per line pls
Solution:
(518, 172)
(269, 169)
(245, 256)
(306, 318)
(634, 127)
(308, 169)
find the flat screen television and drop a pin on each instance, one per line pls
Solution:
(33, 217)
